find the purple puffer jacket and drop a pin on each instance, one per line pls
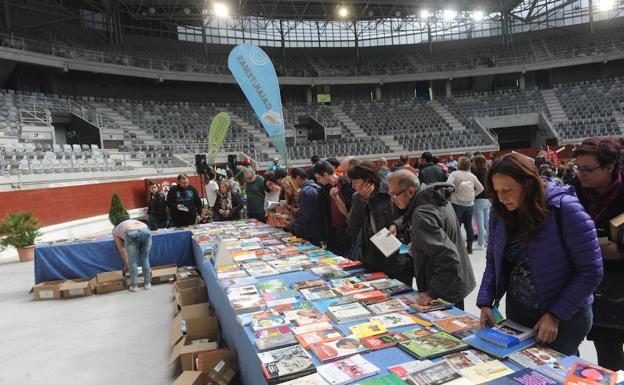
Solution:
(564, 281)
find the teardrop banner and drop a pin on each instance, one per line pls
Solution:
(218, 130)
(254, 72)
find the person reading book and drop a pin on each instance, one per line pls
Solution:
(134, 241)
(549, 271)
(599, 186)
(441, 265)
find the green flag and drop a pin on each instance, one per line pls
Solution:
(218, 129)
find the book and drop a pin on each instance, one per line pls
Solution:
(419, 332)
(432, 345)
(435, 315)
(326, 335)
(367, 329)
(280, 302)
(247, 304)
(275, 342)
(245, 319)
(466, 359)
(535, 356)
(457, 324)
(486, 371)
(317, 293)
(388, 379)
(559, 369)
(350, 289)
(268, 322)
(384, 283)
(286, 364)
(587, 374)
(435, 374)
(291, 306)
(435, 305)
(273, 331)
(303, 317)
(345, 281)
(279, 294)
(506, 334)
(406, 369)
(348, 312)
(371, 276)
(495, 350)
(311, 379)
(394, 305)
(271, 285)
(243, 292)
(370, 296)
(263, 271)
(395, 320)
(383, 341)
(386, 242)
(307, 284)
(350, 265)
(347, 370)
(398, 290)
(341, 348)
(525, 376)
(240, 281)
(297, 330)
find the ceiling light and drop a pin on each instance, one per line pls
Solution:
(424, 13)
(221, 10)
(187, 11)
(151, 10)
(343, 12)
(477, 16)
(606, 5)
(449, 14)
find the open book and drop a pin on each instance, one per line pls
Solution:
(387, 243)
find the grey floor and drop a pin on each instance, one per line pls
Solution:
(117, 338)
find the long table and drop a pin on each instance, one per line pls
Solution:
(87, 259)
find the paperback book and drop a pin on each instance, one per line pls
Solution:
(389, 379)
(280, 302)
(350, 289)
(457, 324)
(495, 350)
(535, 356)
(311, 379)
(292, 306)
(341, 348)
(317, 293)
(432, 345)
(399, 319)
(559, 369)
(286, 364)
(307, 284)
(326, 335)
(397, 290)
(588, 374)
(298, 330)
(466, 359)
(348, 313)
(394, 305)
(486, 372)
(373, 296)
(275, 342)
(268, 322)
(525, 376)
(367, 329)
(435, 315)
(347, 370)
(406, 369)
(303, 317)
(247, 304)
(419, 332)
(435, 374)
(383, 341)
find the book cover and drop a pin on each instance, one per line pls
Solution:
(372, 296)
(336, 274)
(236, 282)
(317, 293)
(264, 271)
(243, 292)
(307, 284)
(419, 332)
(506, 334)
(271, 285)
(273, 331)
(303, 317)
(326, 335)
(485, 372)
(291, 306)
(435, 305)
(525, 377)
(432, 345)
(347, 370)
(247, 304)
(341, 348)
(350, 289)
(347, 313)
(345, 281)
(297, 330)
(279, 294)
(535, 356)
(383, 341)
(397, 290)
(268, 322)
(392, 306)
(371, 276)
(367, 329)
(286, 364)
(388, 379)
(457, 324)
(311, 379)
(559, 369)
(466, 359)
(350, 265)
(496, 350)
(435, 374)
(245, 319)
(435, 315)
(383, 283)
(281, 301)
(588, 374)
(399, 319)
(406, 369)
(275, 342)
(463, 334)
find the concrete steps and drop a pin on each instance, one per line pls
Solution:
(557, 113)
(349, 124)
(392, 143)
(142, 136)
(447, 116)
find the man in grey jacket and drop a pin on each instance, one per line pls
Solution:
(441, 264)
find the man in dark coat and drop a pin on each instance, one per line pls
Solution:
(156, 208)
(431, 172)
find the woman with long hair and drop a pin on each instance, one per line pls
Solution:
(228, 204)
(482, 202)
(543, 252)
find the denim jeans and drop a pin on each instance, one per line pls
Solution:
(464, 216)
(571, 332)
(482, 216)
(138, 244)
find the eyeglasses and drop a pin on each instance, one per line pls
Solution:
(585, 170)
(394, 195)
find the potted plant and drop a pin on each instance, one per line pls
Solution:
(20, 230)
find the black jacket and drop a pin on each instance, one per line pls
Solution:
(441, 264)
(237, 205)
(346, 193)
(157, 207)
(432, 173)
(188, 197)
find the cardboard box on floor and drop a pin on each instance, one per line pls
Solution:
(47, 290)
(186, 272)
(196, 329)
(190, 292)
(189, 377)
(77, 288)
(109, 282)
(164, 273)
(219, 365)
(181, 323)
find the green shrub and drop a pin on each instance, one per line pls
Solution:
(20, 229)
(117, 212)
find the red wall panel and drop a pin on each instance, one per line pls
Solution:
(64, 204)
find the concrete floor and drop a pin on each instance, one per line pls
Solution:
(116, 338)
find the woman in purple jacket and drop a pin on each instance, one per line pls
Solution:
(549, 271)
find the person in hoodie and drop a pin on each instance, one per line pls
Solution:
(156, 208)
(441, 265)
(372, 210)
(431, 172)
(308, 224)
(547, 269)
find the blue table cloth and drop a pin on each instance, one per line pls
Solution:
(87, 259)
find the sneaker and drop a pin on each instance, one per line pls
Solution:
(147, 286)
(133, 289)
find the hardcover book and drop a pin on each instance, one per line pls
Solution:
(286, 364)
(347, 370)
(495, 350)
(367, 329)
(435, 374)
(341, 348)
(432, 345)
(383, 341)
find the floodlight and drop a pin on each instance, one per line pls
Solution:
(606, 5)
(221, 10)
(343, 12)
(478, 16)
(424, 14)
(449, 14)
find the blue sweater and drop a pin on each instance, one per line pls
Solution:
(308, 223)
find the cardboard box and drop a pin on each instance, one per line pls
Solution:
(207, 361)
(224, 372)
(164, 274)
(47, 290)
(190, 292)
(77, 288)
(189, 321)
(186, 272)
(189, 377)
(109, 282)
(200, 328)
(615, 225)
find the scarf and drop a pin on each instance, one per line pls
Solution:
(225, 200)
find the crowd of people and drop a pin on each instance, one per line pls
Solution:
(546, 230)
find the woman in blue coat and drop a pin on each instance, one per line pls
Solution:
(543, 253)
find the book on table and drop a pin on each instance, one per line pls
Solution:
(318, 293)
(383, 341)
(399, 319)
(506, 334)
(325, 335)
(559, 369)
(268, 322)
(388, 379)
(486, 371)
(303, 317)
(286, 364)
(587, 374)
(350, 289)
(368, 329)
(525, 376)
(406, 369)
(341, 348)
(419, 331)
(348, 312)
(298, 330)
(391, 306)
(348, 370)
(457, 324)
(310, 379)
(435, 374)
(495, 350)
(466, 359)
(275, 341)
(432, 345)
(535, 356)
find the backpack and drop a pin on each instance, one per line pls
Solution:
(465, 191)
